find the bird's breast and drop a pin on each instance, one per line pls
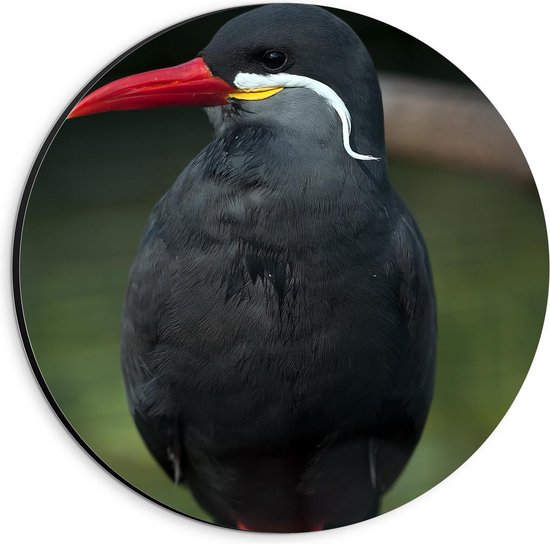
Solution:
(279, 303)
(275, 339)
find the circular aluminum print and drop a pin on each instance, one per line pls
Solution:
(242, 302)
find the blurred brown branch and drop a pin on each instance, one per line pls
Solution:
(449, 124)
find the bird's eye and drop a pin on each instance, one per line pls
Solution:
(274, 60)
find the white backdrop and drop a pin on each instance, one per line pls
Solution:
(50, 489)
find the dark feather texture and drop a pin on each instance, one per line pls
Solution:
(278, 336)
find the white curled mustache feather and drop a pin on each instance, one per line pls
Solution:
(247, 81)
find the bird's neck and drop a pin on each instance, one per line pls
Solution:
(299, 142)
(276, 188)
(313, 128)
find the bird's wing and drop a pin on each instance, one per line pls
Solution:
(413, 386)
(149, 288)
(416, 295)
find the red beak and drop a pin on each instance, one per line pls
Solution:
(189, 84)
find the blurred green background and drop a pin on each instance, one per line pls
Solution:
(102, 176)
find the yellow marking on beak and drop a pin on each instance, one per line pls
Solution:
(255, 94)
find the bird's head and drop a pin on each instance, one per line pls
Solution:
(282, 63)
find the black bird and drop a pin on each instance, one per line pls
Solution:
(278, 335)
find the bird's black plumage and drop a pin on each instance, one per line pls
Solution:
(278, 336)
